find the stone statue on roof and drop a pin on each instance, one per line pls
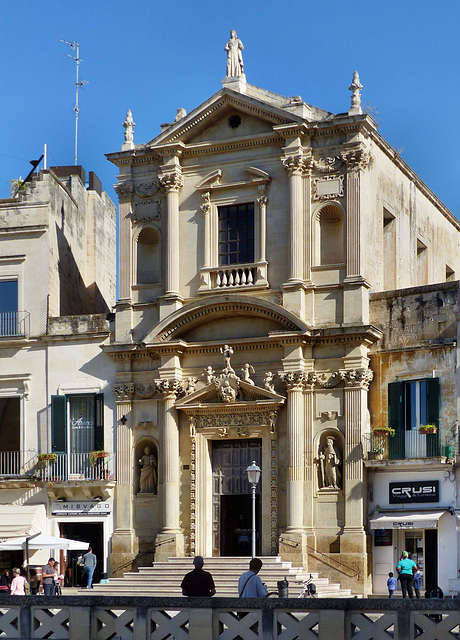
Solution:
(234, 47)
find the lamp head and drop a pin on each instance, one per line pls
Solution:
(253, 472)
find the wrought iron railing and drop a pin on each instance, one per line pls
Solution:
(77, 466)
(411, 444)
(14, 323)
(14, 464)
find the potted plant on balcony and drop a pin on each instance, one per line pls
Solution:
(383, 431)
(46, 458)
(95, 457)
(427, 428)
(378, 449)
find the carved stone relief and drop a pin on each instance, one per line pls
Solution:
(327, 188)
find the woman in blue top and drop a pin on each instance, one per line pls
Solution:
(406, 569)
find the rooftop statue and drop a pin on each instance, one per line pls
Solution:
(234, 47)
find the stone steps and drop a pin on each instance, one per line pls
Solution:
(164, 578)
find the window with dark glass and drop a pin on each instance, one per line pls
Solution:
(236, 234)
(8, 307)
(77, 423)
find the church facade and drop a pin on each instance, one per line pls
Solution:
(253, 232)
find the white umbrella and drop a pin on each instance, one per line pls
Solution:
(42, 541)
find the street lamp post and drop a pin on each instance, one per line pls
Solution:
(253, 472)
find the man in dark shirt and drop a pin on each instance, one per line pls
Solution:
(48, 577)
(198, 582)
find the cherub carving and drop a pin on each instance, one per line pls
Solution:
(246, 370)
(268, 381)
(208, 373)
(227, 353)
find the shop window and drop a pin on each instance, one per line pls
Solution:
(77, 423)
(331, 235)
(236, 234)
(148, 257)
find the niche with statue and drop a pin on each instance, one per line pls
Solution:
(330, 461)
(146, 467)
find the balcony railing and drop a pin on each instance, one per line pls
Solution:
(241, 276)
(411, 444)
(14, 323)
(77, 466)
(15, 464)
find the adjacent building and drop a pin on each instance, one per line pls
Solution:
(261, 243)
(57, 289)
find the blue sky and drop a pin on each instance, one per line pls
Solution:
(154, 57)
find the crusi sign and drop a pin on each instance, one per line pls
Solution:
(410, 492)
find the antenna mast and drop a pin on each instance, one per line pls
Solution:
(79, 83)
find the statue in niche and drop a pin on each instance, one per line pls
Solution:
(148, 473)
(234, 47)
(329, 465)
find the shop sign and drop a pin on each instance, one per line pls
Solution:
(410, 492)
(80, 507)
(383, 537)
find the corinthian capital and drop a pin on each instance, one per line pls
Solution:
(293, 380)
(169, 388)
(171, 182)
(360, 378)
(296, 164)
(356, 159)
(124, 189)
(123, 391)
(263, 201)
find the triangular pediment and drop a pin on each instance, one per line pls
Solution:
(246, 395)
(217, 119)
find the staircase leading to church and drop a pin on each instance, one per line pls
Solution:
(164, 578)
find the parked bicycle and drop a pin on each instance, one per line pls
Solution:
(309, 588)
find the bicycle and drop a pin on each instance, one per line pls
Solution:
(309, 589)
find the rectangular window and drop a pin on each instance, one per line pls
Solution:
(236, 234)
(77, 423)
(8, 307)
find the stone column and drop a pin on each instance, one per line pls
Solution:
(296, 451)
(263, 201)
(206, 209)
(123, 323)
(170, 541)
(356, 299)
(310, 466)
(124, 545)
(172, 183)
(294, 166)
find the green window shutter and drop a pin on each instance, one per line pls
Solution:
(99, 423)
(395, 406)
(59, 424)
(433, 397)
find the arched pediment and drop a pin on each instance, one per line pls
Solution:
(214, 309)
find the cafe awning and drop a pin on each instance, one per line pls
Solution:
(406, 520)
(21, 520)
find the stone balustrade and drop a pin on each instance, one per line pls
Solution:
(125, 618)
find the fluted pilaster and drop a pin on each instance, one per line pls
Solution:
(172, 183)
(170, 446)
(294, 166)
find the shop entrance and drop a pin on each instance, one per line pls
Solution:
(422, 546)
(90, 532)
(232, 506)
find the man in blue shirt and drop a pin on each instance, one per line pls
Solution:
(249, 584)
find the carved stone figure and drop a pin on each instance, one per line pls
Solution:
(227, 353)
(227, 392)
(148, 474)
(234, 47)
(190, 386)
(246, 370)
(208, 373)
(268, 381)
(180, 113)
(129, 125)
(330, 463)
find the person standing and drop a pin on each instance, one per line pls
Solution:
(417, 582)
(18, 584)
(89, 564)
(250, 585)
(391, 584)
(48, 577)
(198, 582)
(406, 569)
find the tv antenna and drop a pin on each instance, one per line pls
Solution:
(79, 83)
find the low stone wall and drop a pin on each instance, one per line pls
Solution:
(121, 618)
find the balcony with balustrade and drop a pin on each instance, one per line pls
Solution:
(14, 324)
(95, 468)
(235, 276)
(17, 467)
(383, 448)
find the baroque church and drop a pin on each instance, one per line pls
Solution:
(254, 231)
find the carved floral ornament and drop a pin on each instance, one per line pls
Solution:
(171, 181)
(239, 420)
(161, 388)
(299, 380)
(297, 164)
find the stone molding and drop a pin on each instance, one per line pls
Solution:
(337, 193)
(161, 388)
(300, 380)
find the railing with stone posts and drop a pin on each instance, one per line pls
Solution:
(123, 618)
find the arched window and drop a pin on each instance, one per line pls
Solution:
(148, 257)
(331, 235)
